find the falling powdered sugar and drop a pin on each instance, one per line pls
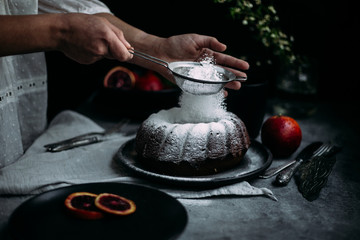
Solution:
(202, 108)
(196, 109)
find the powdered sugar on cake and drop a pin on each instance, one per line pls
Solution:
(190, 141)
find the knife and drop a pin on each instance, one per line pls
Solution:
(85, 139)
(78, 141)
(305, 153)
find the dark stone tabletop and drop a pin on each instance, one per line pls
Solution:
(335, 214)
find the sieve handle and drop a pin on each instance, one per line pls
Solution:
(240, 79)
(149, 58)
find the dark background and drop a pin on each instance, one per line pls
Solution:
(325, 31)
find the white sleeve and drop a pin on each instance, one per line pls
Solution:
(67, 6)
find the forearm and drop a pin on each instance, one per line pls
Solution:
(136, 37)
(33, 33)
(28, 33)
(140, 41)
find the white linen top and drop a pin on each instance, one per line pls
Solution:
(23, 80)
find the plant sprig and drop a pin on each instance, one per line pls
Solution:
(260, 17)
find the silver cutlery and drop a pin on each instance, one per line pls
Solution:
(85, 139)
(305, 153)
(313, 175)
(283, 178)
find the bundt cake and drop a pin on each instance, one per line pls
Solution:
(176, 142)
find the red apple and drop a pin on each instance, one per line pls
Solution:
(282, 135)
(149, 82)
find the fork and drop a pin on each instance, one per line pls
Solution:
(85, 139)
(283, 178)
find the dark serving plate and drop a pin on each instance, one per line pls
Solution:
(256, 160)
(157, 216)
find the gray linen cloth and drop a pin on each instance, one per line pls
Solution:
(38, 171)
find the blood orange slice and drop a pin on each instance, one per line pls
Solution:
(120, 77)
(114, 204)
(82, 205)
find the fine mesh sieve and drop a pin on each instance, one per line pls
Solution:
(181, 72)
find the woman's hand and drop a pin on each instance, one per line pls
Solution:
(88, 38)
(192, 47)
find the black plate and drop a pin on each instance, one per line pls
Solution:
(255, 161)
(158, 216)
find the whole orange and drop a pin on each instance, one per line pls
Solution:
(282, 135)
